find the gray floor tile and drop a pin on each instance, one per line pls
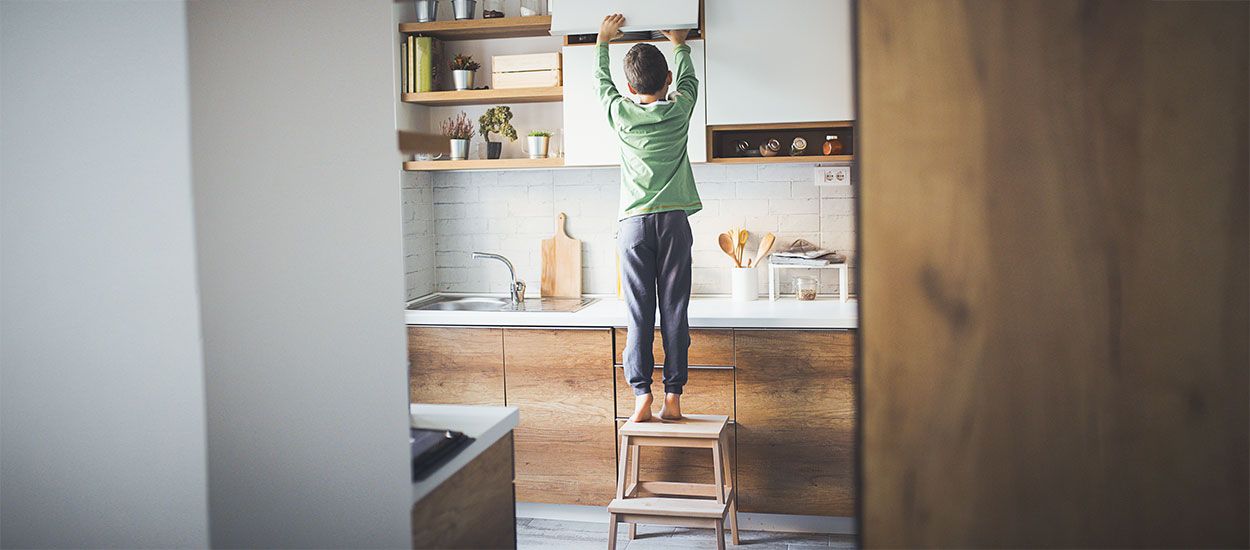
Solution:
(545, 534)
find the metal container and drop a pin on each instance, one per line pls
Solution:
(463, 9)
(463, 80)
(427, 11)
(459, 149)
(537, 146)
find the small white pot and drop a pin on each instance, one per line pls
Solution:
(744, 283)
(459, 149)
(463, 80)
(537, 146)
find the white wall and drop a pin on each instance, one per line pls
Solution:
(297, 193)
(511, 212)
(101, 389)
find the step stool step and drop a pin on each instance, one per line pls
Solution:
(664, 506)
(702, 426)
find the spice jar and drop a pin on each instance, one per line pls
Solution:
(832, 146)
(798, 146)
(805, 288)
(492, 9)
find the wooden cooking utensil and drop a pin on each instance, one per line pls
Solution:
(562, 263)
(726, 245)
(766, 246)
(742, 244)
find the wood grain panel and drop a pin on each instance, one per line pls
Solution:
(475, 508)
(682, 465)
(796, 421)
(707, 347)
(561, 379)
(455, 365)
(1054, 215)
(707, 391)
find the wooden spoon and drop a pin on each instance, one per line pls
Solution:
(766, 246)
(726, 245)
(742, 244)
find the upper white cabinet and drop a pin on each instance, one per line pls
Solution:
(584, 16)
(778, 61)
(588, 140)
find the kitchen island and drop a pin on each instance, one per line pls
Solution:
(781, 371)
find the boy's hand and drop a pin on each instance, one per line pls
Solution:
(677, 36)
(611, 28)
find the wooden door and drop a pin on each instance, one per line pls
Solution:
(796, 421)
(455, 365)
(1054, 279)
(561, 379)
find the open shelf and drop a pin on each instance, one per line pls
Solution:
(478, 29)
(722, 142)
(782, 159)
(481, 164)
(483, 97)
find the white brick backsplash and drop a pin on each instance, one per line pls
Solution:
(446, 216)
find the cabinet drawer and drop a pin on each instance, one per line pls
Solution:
(459, 366)
(708, 391)
(679, 464)
(708, 347)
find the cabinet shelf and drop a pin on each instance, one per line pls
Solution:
(483, 97)
(782, 159)
(478, 29)
(480, 164)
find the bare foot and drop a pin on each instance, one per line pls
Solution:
(672, 407)
(642, 408)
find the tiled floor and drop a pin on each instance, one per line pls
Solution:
(546, 534)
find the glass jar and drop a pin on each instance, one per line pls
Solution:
(492, 9)
(805, 288)
(531, 7)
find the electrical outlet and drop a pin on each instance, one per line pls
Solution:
(833, 175)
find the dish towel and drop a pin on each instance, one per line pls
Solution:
(803, 252)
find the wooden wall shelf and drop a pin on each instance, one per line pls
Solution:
(721, 140)
(480, 164)
(478, 29)
(483, 97)
(783, 159)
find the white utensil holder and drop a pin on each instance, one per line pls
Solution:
(745, 284)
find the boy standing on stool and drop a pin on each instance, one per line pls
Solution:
(657, 195)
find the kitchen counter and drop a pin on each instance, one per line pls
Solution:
(486, 425)
(705, 312)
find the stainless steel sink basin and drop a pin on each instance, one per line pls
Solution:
(494, 303)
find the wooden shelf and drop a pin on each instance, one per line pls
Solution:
(480, 164)
(782, 159)
(483, 97)
(478, 29)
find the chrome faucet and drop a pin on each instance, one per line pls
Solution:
(516, 288)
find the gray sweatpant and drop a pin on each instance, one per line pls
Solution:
(655, 267)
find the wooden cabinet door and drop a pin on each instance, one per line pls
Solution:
(796, 421)
(462, 366)
(588, 140)
(561, 379)
(779, 61)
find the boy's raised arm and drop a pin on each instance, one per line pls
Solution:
(609, 29)
(686, 81)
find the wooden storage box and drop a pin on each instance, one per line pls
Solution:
(536, 70)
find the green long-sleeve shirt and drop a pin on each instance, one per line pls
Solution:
(655, 170)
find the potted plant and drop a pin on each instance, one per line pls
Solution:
(537, 143)
(463, 67)
(497, 120)
(463, 9)
(459, 130)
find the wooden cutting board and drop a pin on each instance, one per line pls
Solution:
(562, 263)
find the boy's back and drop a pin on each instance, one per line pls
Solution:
(657, 196)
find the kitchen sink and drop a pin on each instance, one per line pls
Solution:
(494, 303)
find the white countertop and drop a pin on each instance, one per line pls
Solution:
(705, 312)
(486, 425)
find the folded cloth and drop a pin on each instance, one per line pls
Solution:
(830, 258)
(802, 248)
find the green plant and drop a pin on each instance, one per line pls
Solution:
(497, 120)
(458, 127)
(464, 63)
(539, 133)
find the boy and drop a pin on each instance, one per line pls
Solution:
(657, 194)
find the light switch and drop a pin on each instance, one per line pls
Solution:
(833, 175)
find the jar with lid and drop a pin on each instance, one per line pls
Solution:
(832, 146)
(805, 288)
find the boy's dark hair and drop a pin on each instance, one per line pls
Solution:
(645, 68)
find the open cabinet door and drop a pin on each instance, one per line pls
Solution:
(584, 16)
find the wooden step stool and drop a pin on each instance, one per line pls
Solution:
(700, 431)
